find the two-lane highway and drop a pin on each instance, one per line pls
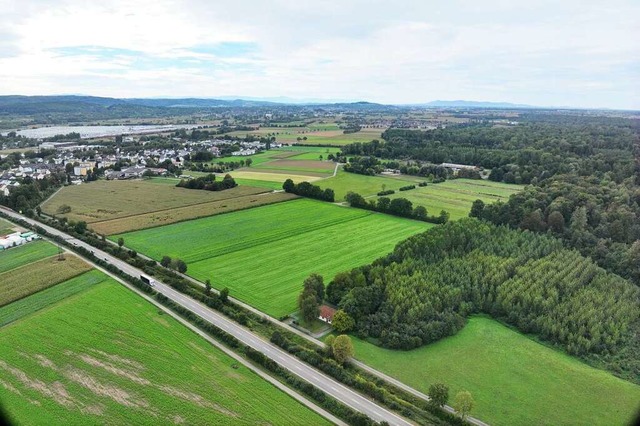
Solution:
(307, 373)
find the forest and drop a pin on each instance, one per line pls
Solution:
(527, 153)
(425, 288)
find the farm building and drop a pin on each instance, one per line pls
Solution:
(456, 167)
(326, 314)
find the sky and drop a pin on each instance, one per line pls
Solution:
(577, 53)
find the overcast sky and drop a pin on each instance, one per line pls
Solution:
(548, 53)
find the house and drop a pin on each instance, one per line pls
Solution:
(326, 314)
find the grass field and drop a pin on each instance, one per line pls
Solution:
(275, 175)
(454, 196)
(24, 254)
(305, 166)
(262, 255)
(513, 379)
(33, 277)
(50, 296)
(106, 200)
(105, 356)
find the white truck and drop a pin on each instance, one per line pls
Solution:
(148, 280)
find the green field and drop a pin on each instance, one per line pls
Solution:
(27, 253)
(50, 296)
(262, 255)
(454, 196)
(513, 379)
(105, 356)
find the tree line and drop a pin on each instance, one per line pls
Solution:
(396, 206)
(306, 189)
(208, 183)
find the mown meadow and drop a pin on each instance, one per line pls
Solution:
(513, 379)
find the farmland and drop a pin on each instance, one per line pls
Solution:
(321, 134)
(454, 196)
(33, 277)
(513, 379)
(119, 206)
(25, 254)
(6, 227)
(262, 255)
(106, 356)
(50, 296)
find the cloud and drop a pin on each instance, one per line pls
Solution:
(581, 53)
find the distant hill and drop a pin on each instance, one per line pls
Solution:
(475, 104)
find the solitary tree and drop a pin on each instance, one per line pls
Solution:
(438, 394)
(165, 261)
(120, 242)
(342, 348)
(248, 162)
(463, 403)
(288, 185)
(180, 266)
(342, 321)
(207, 287)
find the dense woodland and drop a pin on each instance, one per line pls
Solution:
(431, 282)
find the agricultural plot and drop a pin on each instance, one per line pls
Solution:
(106, 200)
(33, 277)
(313, 135)
(6, 227)
(513, 379)
(105, 356)
(179, 214)
(305, 166)
(25, 254)
(272, 175)
(262, 255)
(50, 296)
(456, 196)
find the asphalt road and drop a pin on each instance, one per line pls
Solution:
(284, 359)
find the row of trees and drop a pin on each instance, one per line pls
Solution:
(396, 206)
(208, 183)
(426, 287)
(306, 189)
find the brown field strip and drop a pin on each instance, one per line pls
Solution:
(105, 200)
(33, 277)
(165, 217)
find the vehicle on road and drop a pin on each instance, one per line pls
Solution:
(148, 280)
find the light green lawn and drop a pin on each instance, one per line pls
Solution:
(513, 379)
(366, 186)
(106, 356)
(263, 254)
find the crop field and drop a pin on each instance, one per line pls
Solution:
(50, 296)
(179, 214)
(106, 356)
(262, 255)
(275, 175)
(456, 196)
(106, 200)
(6, 227)
(314, 166)
(318, 135)
(33, 277)
(24, 254)
(513, 379)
